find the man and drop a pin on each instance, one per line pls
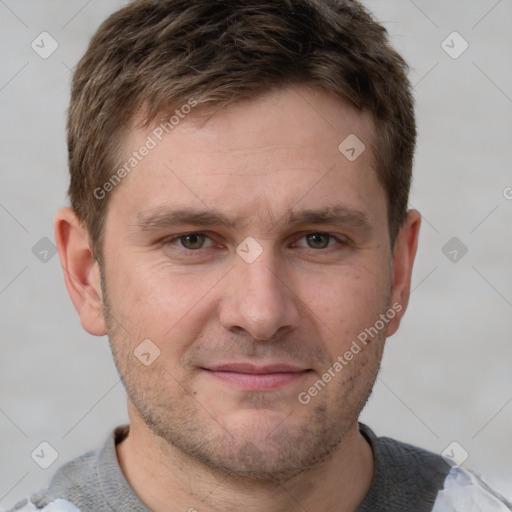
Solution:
(238, 227)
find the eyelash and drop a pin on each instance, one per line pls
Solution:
(176, 238)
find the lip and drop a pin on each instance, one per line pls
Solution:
(252, 368)
(251, 377)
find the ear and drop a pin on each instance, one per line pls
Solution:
(404, 253)
(81, 271)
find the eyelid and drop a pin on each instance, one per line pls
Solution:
(171, 240)
(337, 238)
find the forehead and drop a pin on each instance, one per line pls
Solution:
(309, 115)
(288, 146)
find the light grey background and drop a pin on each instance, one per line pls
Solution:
(446, 375)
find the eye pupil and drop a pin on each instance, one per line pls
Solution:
(318, 240)
(193, 241)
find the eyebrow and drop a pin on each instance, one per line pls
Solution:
(168, 218)
(341, 216)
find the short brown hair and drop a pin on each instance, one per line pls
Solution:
(154, 55)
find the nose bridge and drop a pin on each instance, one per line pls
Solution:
(259, 301)
(261, 279)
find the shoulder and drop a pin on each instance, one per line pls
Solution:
(58, 505)
(404, 474)
(398, 462)
(75, 478)
(463, 490)
(85, 484)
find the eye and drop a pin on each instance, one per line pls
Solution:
(318, 240)
(192, 241)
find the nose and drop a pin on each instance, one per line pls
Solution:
(258, 300)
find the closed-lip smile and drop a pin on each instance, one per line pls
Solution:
(252, 377)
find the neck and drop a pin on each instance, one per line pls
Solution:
(165, 479)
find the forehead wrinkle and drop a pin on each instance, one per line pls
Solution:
(249, 151)
(255, 171)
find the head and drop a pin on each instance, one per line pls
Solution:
(240, 174)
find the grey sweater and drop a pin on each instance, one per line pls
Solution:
(406, 479)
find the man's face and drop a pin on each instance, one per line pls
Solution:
(252, 252)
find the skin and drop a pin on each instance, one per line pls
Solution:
(196, 439)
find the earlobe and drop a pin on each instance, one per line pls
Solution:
(81, 271)
(404, 253)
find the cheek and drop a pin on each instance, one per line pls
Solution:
(343, 305)
(156, 302)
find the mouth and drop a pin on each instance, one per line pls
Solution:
(250, 377)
